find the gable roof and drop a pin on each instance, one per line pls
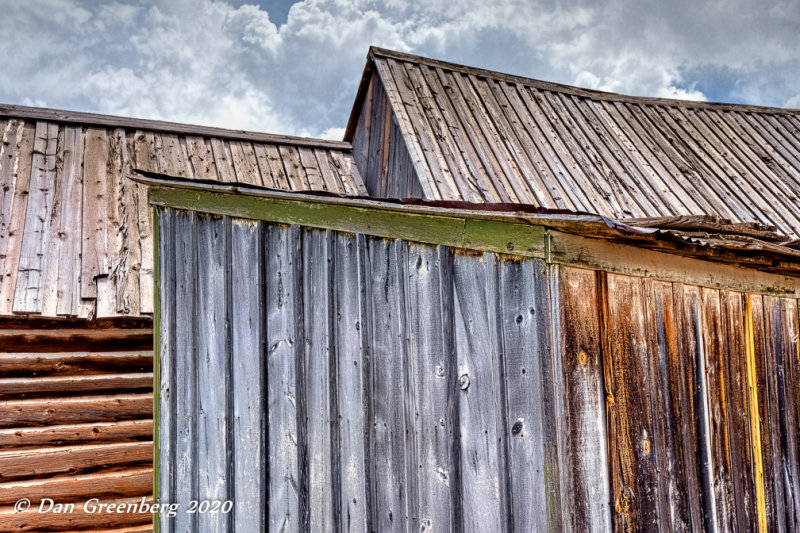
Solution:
(478, 135)
(76, 236)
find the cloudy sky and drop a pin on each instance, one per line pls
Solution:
(293, 68)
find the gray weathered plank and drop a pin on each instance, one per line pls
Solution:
(387, 426)
(523, 433)
(36, 238)
(351, 345)
(285, 405)
(247, 378)
(186, 362)
(11, 238)
(213, 370)
(166, 364)
(477, 347)
(320, 379)
(431, 376)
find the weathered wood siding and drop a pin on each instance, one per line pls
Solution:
(348, 382)
(483, 136)
(76, 237)
(75, 423)
(380, 149)
(352, 383)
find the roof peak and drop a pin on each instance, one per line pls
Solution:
(375, 51)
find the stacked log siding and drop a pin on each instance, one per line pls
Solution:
(75, 423)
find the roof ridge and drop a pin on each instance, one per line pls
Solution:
(115, 121)
(375, 51)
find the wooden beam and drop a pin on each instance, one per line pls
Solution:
(123, 430)
(42, 462)
(74, 339)
(75, 409)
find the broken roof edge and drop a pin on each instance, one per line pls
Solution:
(568, 89)
(514, 229)
(113, 121)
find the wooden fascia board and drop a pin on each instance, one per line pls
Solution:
(506, 233)
(600, 254)
(437, 228)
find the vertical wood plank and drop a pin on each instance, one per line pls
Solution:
(633, 463)
(311, 169)
(247, 378)
(352, 351)
(11, 240)
(584, 399)
(788, 374)
(245, 163)
(69, 223)
(213, 370)
(186, 372)
(672, 371)
(271, 165)
(388, 430)
(773, 344)
(175, 156)
(739, 434)
(166, 363)
(759, 359)
(127, 256)
(201, 158)
(717, 398)
(223, 160)
(295, 174)
(10, 144)
(481, 398)
(285, 401)
(523, 432)
(36, 237)
(432, 375)
(320, 382)
(95, 191)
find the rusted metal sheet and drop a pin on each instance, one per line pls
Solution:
(75, 236)
(485, 136)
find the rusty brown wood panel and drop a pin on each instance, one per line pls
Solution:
(765, 322)
(788, 406)
(584, 399)
(737, 404)
(672, 379)
(632, 457)
(716, 398)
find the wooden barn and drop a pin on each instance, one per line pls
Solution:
(587, 321)
(581, 316)
(76, 294)
(351, 364)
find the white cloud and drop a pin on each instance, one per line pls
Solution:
(209, 62)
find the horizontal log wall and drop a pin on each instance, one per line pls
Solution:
(75, 424)
(341, 381)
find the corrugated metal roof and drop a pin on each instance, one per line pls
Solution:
(76, 237)
(478, 135)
